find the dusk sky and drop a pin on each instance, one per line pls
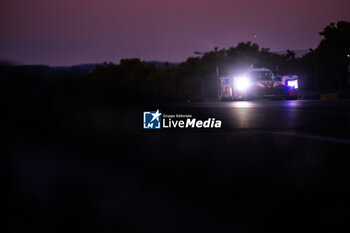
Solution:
(69, 32)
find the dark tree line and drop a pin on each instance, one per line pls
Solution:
(324, 68)
(133, 80)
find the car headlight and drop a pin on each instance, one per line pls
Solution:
(292, 83)
(242, 83)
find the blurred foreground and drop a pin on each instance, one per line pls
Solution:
(81, 161)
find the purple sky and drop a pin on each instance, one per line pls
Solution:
(67, 32)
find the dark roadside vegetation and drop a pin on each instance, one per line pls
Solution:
(79, 159)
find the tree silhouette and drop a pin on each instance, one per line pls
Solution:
(324, 67)
(328, 62)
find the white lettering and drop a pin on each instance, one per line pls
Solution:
(181, 124)
(206, 124)
(218, 124)
(191, 123)
(164, 124)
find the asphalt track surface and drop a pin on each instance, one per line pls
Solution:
(312, 119)
(274, 166)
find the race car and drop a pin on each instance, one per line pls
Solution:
(257, 83)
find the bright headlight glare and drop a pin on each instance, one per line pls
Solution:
(242, 83)
(292, 83)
